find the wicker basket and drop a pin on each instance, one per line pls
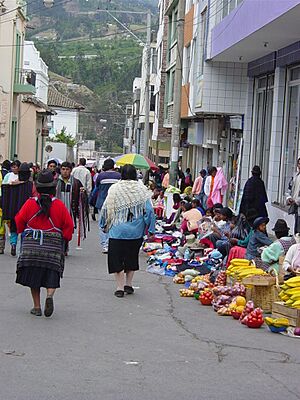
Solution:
(264, 297)
(264, 293)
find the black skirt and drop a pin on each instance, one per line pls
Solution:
(123, 255)
(37, 277)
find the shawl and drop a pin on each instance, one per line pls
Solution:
(125, 201)
(254, 196)
(13, 198)
(219, 187)
(71, 202)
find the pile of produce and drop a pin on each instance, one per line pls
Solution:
(255, 318)
(186, 293)
(277, 325)
(206, 297)
(237, 306)
(224, 295)
(221, 279)
(290, 293)
(240, 269)
(185, 276)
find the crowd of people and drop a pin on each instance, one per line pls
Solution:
(42, 208)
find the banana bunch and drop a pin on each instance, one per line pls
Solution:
(290, 292)
(277, 322)
(240, 269)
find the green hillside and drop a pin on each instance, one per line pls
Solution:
(80, 42)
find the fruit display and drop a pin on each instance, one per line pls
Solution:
(186, 293)
(240, 269)
(224, 311)
(255, 318)
(237, 306)
(221, 279)
(290, 292)
(221, 301)
(277, 325)
(179, 279)
(249, 307)
(201, 278)
(206, 297)
(233, 291)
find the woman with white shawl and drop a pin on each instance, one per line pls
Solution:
(126, 215)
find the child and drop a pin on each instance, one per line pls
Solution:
(258, 239)
(196, 204)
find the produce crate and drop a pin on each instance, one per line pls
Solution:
(263, 296)
(260, 280)
(281, 310)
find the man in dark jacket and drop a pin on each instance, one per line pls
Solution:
(105, 179)
(254, 195)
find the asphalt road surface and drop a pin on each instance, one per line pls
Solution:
(151, 345)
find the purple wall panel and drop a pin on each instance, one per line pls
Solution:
(247, 18)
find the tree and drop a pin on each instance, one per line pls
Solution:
(63, 137)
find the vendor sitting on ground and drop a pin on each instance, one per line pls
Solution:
(221, 232)
(291, 264)
(191, 217)
(196, 204)
(280, 247)
(258, 239)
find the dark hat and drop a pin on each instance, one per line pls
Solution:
(260, 220)
(45, 179)
(280, 226)
(24, 167)
(227, 212)
(256, 170)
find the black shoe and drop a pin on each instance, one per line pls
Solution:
(13, 250)
(36, 311)
(128, 289)
(119, 293)
(93, 217)
(49, 307)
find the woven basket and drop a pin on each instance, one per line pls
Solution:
(264, 296)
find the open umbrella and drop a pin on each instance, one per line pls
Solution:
(137, 160)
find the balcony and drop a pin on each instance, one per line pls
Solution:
(25, 82)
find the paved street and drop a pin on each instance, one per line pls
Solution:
(152, 345)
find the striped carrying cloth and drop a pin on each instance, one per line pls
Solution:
(42, 249)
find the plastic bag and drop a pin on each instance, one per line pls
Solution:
(155, 269)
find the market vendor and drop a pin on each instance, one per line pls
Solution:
(291, 264)
(221, 232)
(258, 239)
(191, 217)
(280, 247)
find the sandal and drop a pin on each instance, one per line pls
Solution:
(36, 311)
(119, 293)
(128, 289)
(49, 307)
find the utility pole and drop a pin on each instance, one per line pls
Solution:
(175, 137)
(147, 88)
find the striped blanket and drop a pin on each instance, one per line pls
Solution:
(13, 198)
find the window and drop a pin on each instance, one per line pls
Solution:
(152, 99)
(187, 64)
(18, 59)
(154, 61)
(263, 123)
(290, 148)
(203, 32)
(228, 5)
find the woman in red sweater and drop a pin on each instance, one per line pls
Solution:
(45, 223)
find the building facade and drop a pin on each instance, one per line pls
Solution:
(14, 81)
(267, 44)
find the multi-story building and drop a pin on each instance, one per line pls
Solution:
(35, 114)
(161, 136)
(14, 81)
(266, 45)
(128, 130)
(213, 94)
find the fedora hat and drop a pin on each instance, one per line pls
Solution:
(45, 179)
(280, 226)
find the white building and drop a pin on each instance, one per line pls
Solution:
(67, 113)
(34, 62)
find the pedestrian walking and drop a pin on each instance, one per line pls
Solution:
(293, 198)
(126, 214)
(197, 187)
(104, 181)
(52, 167)
(83, 175)
(13, 196)
(44, 222)
(254, 194)
(68, 190)
(13, 175)
(215, 186)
